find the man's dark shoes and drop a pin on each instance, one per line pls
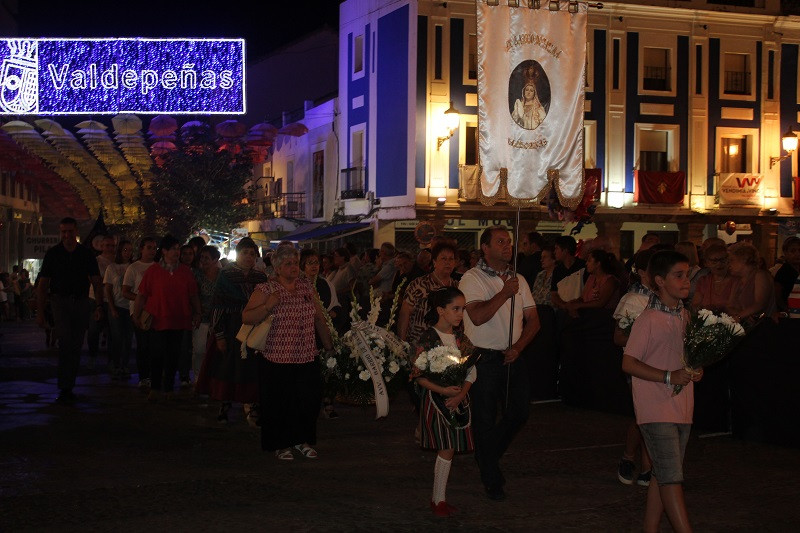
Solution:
(66, 397)
(495, 493)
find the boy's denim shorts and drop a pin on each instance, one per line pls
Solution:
(666, 443)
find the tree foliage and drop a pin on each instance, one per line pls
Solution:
(198, 185)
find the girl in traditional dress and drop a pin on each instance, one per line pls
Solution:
(446, 312)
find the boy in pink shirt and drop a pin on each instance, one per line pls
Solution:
(654, 358)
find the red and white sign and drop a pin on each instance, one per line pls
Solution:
(741, 189)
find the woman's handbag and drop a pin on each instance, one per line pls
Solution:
(254, 335)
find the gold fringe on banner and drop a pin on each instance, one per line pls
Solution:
(552, 181)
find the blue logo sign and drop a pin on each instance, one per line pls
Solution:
(110, 76)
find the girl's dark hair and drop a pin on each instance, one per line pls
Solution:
(247, 242)
(212, 251)
(372, 253)
(605, 259)
(440, 247)
(197, 243)
(167, 242)
(144, 241)
(305, 254)
(343, 252)
(567, 243)
(120, 246)
(440, 298)
(663, 261)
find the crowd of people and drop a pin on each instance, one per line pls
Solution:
(185, 306)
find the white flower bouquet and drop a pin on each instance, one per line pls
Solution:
(445, 366)
(709, 338)
(344, 373)
(626, 323)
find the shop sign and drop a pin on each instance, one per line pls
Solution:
(454, 224)
(741, 189)
(115, 75)
(35, 246)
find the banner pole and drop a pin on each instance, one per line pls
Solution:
(511, 321)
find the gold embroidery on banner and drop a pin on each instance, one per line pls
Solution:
(552, 181)
(491, 200)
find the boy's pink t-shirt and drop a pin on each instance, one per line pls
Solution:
(657, 340)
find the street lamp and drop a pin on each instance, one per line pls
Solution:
(789, 144)
(451, 122)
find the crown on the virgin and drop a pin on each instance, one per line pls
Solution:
(530, 74)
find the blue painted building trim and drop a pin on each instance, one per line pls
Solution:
(680, 103)
(392, 88)
(598, 101)
(355, 88)
(422, 100)
(632, 105)
(789, 108)
(714, 111)
(715, 105)
(457, 92)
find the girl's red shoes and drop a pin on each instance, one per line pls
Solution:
(443, 509)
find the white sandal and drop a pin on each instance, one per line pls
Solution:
(285, 454)
(307, 451)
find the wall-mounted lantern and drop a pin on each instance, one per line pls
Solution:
(789, 144)
(451, 117)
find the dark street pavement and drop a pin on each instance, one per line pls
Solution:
(113, 462)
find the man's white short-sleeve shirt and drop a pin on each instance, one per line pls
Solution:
(479, 286)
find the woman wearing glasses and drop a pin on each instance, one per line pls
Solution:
(713, 290)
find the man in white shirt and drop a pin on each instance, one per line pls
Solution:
(490, 288)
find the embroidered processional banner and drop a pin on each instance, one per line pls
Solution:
(530, 101)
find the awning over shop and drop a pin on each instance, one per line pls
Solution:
(320, 232)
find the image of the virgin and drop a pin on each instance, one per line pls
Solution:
(527, 103)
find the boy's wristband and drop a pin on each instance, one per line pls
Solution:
(668, 377)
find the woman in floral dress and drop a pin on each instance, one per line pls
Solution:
(289, 376)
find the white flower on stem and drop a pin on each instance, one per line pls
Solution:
(394, 367)
(347, 376)
(710, 320)
(726, 319)
(704, 313)
(737, 330)
(422, 361)
(363, 375)
(331, 362)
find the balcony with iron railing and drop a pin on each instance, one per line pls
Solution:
(283, 205)
(656, 78)
(737, 82)
(354, 183)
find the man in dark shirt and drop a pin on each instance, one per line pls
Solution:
(67, 271)
(530, 258)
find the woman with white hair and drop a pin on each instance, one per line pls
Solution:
(289, 373)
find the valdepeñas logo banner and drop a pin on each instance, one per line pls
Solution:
(110, 76)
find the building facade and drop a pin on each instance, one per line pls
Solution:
(683, 95)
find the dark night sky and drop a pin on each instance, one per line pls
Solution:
(266, 24)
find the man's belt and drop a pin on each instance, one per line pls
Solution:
(488, 355)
